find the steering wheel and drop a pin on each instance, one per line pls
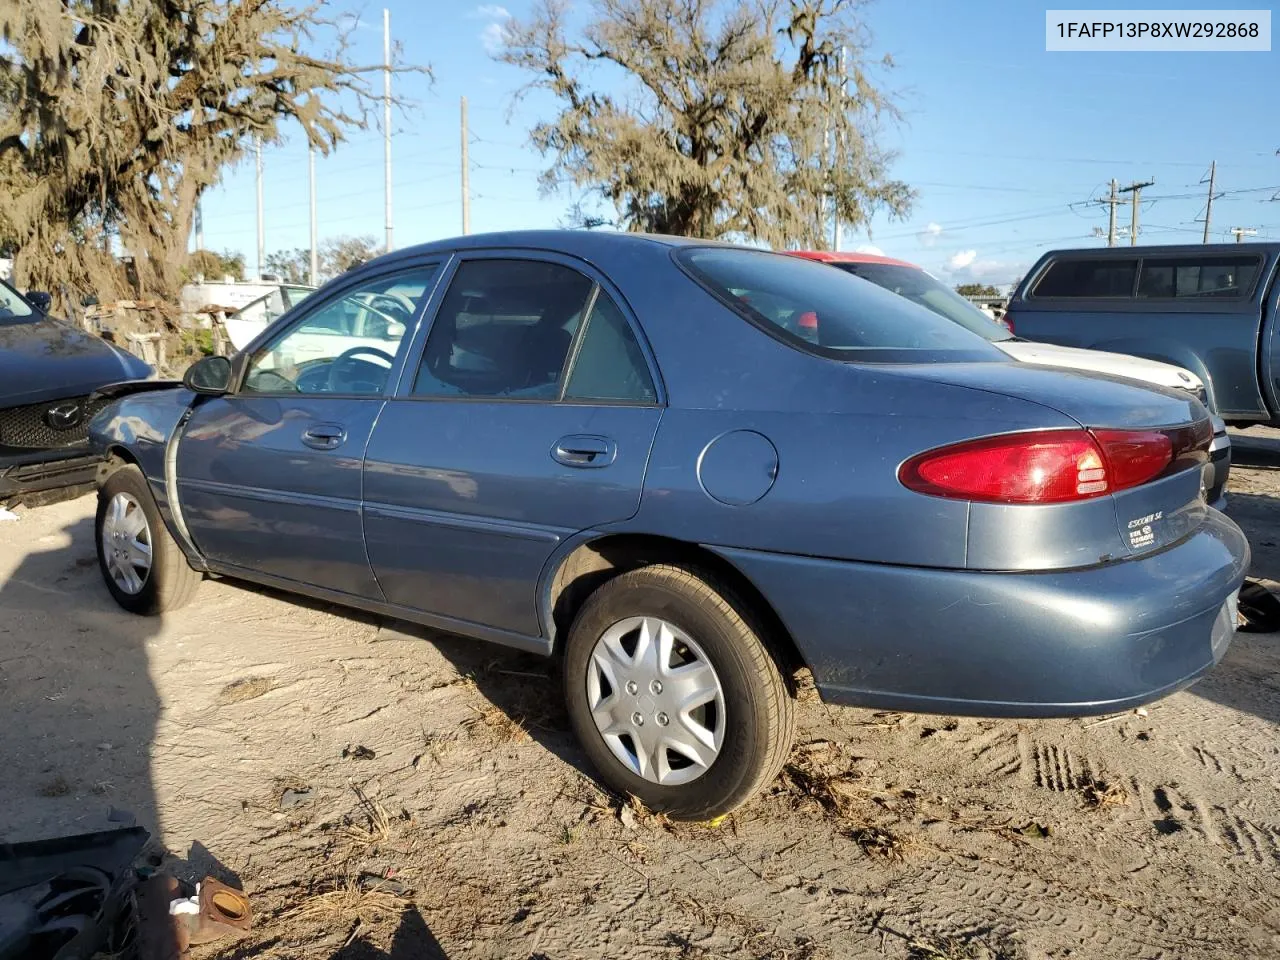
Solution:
(338, 369)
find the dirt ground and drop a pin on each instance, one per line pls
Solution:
(384, 792)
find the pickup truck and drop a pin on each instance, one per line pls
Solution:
(1211, 308)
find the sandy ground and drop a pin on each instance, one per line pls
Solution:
(468, 826)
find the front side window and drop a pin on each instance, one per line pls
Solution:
(504, 330)
(1088, 279)
(13, 309)
(346, 345)
(829, 312)
(1178, 277)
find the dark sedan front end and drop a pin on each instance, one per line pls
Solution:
(49, 371)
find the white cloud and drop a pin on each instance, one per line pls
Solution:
(494, 36)
(870, 248)
(930, 234)
(967, 267)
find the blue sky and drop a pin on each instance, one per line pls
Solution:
(1005, 142)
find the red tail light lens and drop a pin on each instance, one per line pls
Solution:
(1135, 457)
(1006, 321)
(1044, 466)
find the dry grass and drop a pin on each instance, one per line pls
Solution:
(379, 828)
(882, 844)
(57, 787)
(1099, 795)
(247, 688)
(349, 906)
(495, 722)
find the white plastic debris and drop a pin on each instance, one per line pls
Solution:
(185, 905)
(7, 514)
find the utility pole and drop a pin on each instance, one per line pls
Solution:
(466, 174)
(311, 178)
(386, 115)
(1208, 204)
(262, 234)
(1242, 232)
(1136, 190)
(1111, 219)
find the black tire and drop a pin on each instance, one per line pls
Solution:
(759, 718)
(170, 583)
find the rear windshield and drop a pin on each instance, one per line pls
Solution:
(919, 287)
(13, 309)
(1088, 279)
(830, 312)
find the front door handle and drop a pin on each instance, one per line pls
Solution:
(324, 436)
(584, 451)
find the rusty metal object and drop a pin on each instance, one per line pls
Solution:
(224, 912)
(161, 936)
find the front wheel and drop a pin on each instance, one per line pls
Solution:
(674, 694)
(144, 569)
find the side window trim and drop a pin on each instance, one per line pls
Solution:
(450, 265)
(313, 305)
(575, 348)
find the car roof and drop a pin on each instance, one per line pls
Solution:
(581, 243)
(1182, 249)
(839, 256)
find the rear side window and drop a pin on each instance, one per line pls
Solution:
(1169, 278)
(609, 364)
(1088, 279)
(826, 311)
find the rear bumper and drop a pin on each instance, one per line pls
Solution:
(1220, 466)
(1057, 644)
(45, 477)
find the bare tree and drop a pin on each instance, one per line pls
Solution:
(733, 118)
(115, 116)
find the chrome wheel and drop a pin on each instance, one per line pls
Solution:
(656, 700)
(126, 543)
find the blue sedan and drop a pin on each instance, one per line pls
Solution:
(691, 469)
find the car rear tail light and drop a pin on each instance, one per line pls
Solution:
(1006, 321)
(1053, 466)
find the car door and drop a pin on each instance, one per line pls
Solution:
(268, 476)
(528, 418)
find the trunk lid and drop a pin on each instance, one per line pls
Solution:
(1148, 517)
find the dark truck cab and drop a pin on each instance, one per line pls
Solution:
(1212, 308)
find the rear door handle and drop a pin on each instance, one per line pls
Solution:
(324, 436)
(584, 451)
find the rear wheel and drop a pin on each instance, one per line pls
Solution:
(674, 694)
(143, 568)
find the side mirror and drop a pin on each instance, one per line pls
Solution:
(210, 376)
(40, 300)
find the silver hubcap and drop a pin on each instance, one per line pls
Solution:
(656, 700)
(126, 543)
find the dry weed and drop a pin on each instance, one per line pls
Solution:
(1100, 795)
(501, 727)
(379, 828)
(349, 905)
(879, 843)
